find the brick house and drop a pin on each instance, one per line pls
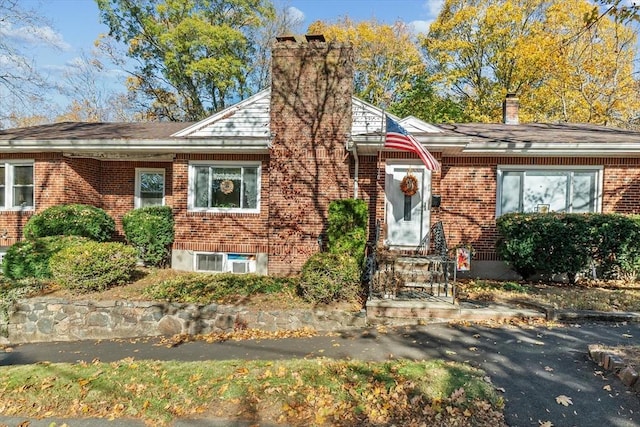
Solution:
(250, 185)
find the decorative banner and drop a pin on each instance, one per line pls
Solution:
(463, 259)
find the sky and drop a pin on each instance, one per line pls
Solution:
(74, 25)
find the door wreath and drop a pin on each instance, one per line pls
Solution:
(409, 185)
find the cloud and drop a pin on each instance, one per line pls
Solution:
(294, 14)
(33, 35)
(432, 7)
(420, 26)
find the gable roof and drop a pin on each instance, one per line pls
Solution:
(245, 128)
(247, 119)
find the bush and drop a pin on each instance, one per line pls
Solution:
(150, 231)
(205, 288)
(615, 242)
(347, 228)
(551, 244)
(328, 277)
(93, 266)
(30, 258)
(71, 220)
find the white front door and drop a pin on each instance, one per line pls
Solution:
(407, 216)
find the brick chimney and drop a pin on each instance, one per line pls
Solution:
(510, 108)
(311, 90)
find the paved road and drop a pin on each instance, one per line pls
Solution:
(532, 365)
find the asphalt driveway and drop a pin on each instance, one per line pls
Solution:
(531, 366)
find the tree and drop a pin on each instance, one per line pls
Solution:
(286, 22)
(21, 85)
(92, 100)
(193, 56)
(590, 78)
(562, 67)
(386, 58)
(423, 101)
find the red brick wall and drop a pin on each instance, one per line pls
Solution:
(218, 232)
(468, 189)
(312, 85)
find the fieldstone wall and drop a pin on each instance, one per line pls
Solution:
(49, 319)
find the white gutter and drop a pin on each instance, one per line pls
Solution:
(245, 145)
(576, 149)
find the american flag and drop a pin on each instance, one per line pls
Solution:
(397, 137)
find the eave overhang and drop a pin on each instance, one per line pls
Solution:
(129, 148)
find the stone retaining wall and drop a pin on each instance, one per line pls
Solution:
(49, 319)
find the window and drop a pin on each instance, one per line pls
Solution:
(149, 187)
(210, 262)
(576, 190)
(16, 185)
(224, 186)
(223, 263)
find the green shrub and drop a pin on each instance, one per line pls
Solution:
(615, 242)
(347, 227)
(71, 220)
(206, 288)
(30, 258)
(93, 266)
(550, 244)
(150, 231)
(328, 277)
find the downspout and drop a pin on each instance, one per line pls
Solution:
(355, 172)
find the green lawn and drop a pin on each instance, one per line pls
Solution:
(294, 392)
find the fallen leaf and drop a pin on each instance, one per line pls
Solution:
(564, 400)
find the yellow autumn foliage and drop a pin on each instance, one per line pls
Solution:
(563, 67)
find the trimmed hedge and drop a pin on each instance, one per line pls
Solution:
(71, 220)
(93, 266)
(550, 244)
(150, 231)
(30, 258)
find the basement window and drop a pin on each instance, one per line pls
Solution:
(225, 263)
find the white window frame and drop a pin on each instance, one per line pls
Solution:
(210, 163)
(9, 166)
(227, 263)
(140, 171)
(526, 168)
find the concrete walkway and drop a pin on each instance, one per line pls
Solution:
(533, 365)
